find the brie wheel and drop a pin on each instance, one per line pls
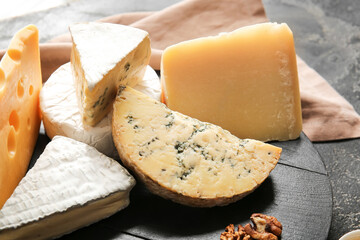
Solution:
(61, 114)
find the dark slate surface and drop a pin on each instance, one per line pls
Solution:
(327, 37)
(296, 150)
(298, 194)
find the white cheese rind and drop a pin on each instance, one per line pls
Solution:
(105, 56)
(68, 175)
(61, 114)
(188, 161)
(111, 42)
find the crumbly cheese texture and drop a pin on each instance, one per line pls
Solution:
(104, 56)
(245, 81)
(61, 114)
(188, 161)
(20, 85)
(70, 180)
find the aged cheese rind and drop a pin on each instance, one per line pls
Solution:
(188, 161)
(104, 56)
(20, 85)
(69, 180)
(245, 81)
(61, 114)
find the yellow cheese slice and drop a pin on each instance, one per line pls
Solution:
(245, 81)
(20, 85)
(180, 158)
(104, 56)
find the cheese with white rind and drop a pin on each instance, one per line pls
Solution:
(103, 57)
(61, 114)
(70, 180)
(188, 161)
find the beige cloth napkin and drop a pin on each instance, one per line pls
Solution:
(326, 115)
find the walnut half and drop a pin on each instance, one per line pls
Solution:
(265, 228)
(231, 234)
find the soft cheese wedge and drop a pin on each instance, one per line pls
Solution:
(103, 56)
(188, 161)
(245, 81)
(70, 186)
(20, 84)
(61, 114)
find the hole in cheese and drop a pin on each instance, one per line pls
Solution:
(11, 143)
(20, 88)
(31, 89)
(14, 54)
(21, 62)
(2, 79)
(14, 120)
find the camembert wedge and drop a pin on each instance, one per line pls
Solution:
(188, 161)
(61, 114)
(103, 56)
(70, 186)
(20, 85)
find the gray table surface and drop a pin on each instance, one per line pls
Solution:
(327, 37)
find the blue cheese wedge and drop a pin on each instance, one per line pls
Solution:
(183, 159)
(103, 56)
(70, 180)
(61, 114)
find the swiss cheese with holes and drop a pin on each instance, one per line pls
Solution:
(188, 161)
(20, 85)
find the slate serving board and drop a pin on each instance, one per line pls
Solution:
(297, 192)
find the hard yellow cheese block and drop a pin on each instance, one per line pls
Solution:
(20, 85)
(104, 56)
(245, 81)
